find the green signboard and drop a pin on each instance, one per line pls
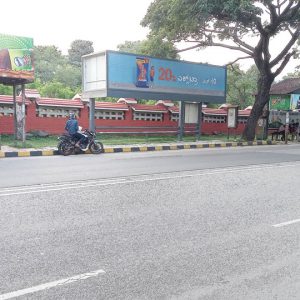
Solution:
(16, 59)
(280, 102)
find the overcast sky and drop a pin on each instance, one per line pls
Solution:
(106, 23)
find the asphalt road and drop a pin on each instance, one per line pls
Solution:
(190, 224)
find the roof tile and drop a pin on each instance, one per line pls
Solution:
(286, 86)
(150, 108)
(59, 102)
(110, 106)
(9, 99)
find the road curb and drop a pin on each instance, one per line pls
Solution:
(24, 153)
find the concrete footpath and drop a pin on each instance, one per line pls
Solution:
(6, 151)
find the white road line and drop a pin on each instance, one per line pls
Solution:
(76, 184)
(287, 223)
(49, 285)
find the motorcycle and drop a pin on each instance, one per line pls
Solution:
(66, 144)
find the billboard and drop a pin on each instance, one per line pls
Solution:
(16, 63)
(295, 101)
(118, 74)
(280, 102)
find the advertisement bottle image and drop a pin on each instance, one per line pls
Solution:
(142, 74)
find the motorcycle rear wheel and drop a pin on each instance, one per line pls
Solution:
(96, 148)
(59, 146)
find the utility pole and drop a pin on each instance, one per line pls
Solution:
(23, 110)
(199, 121)
(15, 112)
(92, 115)
(287, 121)
(181, 120)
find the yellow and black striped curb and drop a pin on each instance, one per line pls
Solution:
(24, 153)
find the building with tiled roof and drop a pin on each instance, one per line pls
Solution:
(285, 95)
(50, 114)
(149, 108)
(32, 94)
(127, 100)
(6, 99)
(110, 106)
(56, 102)
(174, 109)
(168, 103)
(286, 86)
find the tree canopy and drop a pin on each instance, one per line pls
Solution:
(153, 46)
(78, 49)
(59, 75)
(245, 26)
(241, 85)
(47, 59)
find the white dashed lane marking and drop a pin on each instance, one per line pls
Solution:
(49, 285)
(287, 223)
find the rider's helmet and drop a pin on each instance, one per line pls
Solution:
(72, 115)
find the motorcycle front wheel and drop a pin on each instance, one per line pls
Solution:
(66, 149)
(96, 148)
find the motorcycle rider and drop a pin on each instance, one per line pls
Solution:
(73, 128)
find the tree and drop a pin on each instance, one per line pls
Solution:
(78, 49)
(5, 89)
(241, 85)
(131, 47)
(153, 46)
(69, 75)
(51, 67)
(245, 26)
(47, 60)
(56, 90)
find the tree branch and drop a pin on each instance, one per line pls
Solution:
(233, 62)
(238, 71)
(289, 12)
(283, 64)
(189, 48)
(281, 55)
(205, 44)
(287, 9)
(273, 14)
(231, 48)
(289, 30)
(242, 43)
(281, 4)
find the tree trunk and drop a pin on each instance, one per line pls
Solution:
(262, 98)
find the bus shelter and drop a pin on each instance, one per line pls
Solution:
(117, 74)
(16, 69)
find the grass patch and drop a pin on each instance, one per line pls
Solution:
(113, 139)
(155, 139)
(33, 142)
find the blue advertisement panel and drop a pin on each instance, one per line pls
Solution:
(295, 101)
(152, 78)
